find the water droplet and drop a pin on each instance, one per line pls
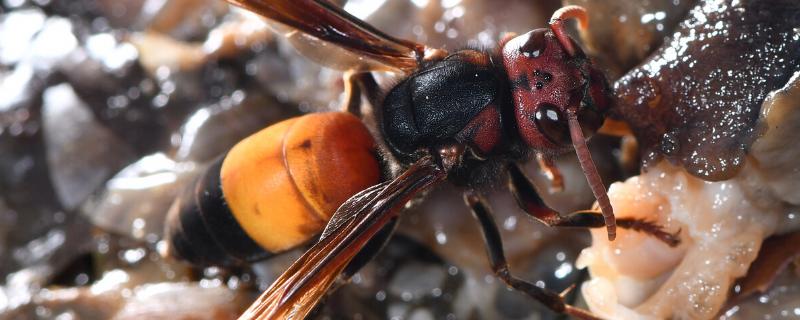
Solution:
(441, 237)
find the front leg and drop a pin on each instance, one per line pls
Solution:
(528, 199)
(494, 247)
(550, 170)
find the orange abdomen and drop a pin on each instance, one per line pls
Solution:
(282, 184)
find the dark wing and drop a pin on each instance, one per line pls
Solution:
(356, 44)
(295, 293)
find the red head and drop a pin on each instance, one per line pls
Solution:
(551, 78)
(559, 98)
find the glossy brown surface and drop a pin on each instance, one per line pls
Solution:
(696, 100)
(775, 255)
(624, 33)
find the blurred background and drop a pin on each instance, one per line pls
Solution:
(109, 108)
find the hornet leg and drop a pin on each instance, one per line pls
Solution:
(528, 199)
(549, 168)
(494, 247)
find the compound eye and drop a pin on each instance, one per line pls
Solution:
(535, 45)
(552, 124)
